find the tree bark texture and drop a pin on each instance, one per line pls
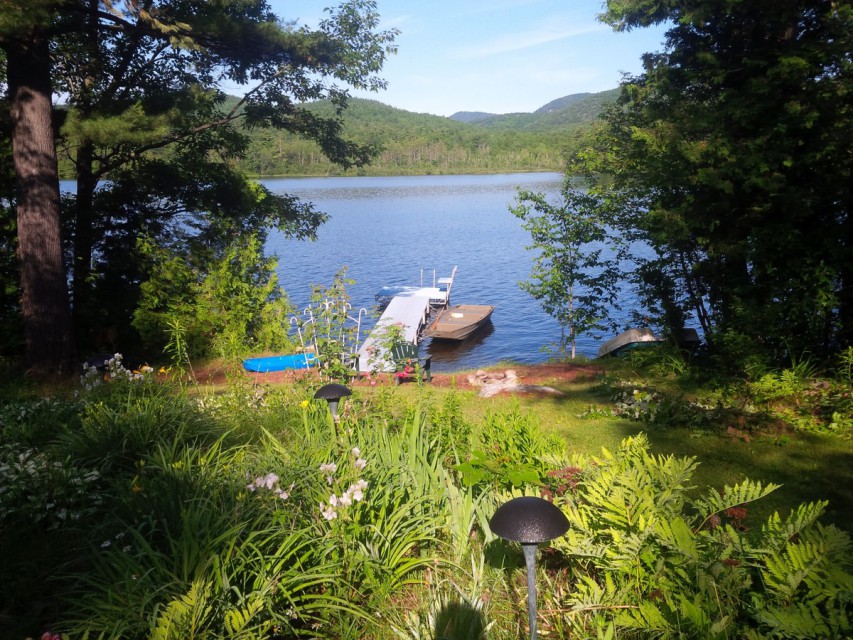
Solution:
(44, 303)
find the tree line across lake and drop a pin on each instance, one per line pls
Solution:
(407, 143)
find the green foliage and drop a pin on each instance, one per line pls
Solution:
(844, 371)
(227, 308)
(653, 561)
(246, 512)
(509, 451)
(327, 325)
(714, 157)
(570, 278)
(153, 147)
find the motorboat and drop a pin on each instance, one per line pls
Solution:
(459, 321)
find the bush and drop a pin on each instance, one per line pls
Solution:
(652, 559)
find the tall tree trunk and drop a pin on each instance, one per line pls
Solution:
(44, 303)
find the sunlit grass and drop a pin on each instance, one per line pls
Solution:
(809, 467)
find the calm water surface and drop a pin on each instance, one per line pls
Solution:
(387, 229)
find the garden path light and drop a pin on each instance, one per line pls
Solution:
(332, 393)
(530, 521)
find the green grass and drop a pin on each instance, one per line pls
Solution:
(810, 467)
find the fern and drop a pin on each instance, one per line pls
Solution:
(237, 619)
(781, 531)
(797, 620)
(658, 563)
(184, 617)
(741, 494)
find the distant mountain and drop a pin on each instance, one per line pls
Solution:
(418, 143)
(575, 109)
(563, 103)
(472, 116)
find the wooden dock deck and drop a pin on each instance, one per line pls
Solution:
(410, 311)
(408, 307)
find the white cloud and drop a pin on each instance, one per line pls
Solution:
(514, 42)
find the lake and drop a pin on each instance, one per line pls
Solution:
(387, 229)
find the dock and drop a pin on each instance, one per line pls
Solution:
(409, 308)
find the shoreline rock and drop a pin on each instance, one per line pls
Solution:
(507, 381)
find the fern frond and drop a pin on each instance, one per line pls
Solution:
(185, 615)
(238, 619)
(742, 493)
(648, 618)
(797, 620)
(814, 564)
(677, 536)
(778, 532)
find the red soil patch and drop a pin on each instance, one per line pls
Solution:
(552, 375)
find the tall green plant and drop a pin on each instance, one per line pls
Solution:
(572, 278)
(227, 306)
(328, 325)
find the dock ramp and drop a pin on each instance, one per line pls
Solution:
(410, 311)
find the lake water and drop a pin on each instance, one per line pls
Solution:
(387, 229)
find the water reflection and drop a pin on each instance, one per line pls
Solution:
(450, 354)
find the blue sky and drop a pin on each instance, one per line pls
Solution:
(498, 56)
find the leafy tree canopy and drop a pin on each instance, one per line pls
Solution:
(153, 146)
(730, 156)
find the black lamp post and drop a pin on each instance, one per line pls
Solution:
(530, 521)
(332, 393)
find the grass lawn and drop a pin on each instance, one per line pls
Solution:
(809, 467)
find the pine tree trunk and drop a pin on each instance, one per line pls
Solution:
(44, 303)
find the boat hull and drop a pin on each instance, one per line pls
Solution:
(280, 363)
(627, 341)
(459, 322)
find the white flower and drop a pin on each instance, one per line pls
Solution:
(329, 468)
(270, 481)
(328, 514)
(356, 452)
(356, 490)
(345, 500)
(281, 493)
(333, 500)
(361, 463)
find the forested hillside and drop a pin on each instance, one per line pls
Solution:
(411, 143)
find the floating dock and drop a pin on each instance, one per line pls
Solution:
(408, 308)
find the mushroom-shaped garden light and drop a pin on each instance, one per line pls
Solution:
(530, 521)
(332, 393)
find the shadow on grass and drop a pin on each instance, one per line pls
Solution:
(459, 621)
(809, 467)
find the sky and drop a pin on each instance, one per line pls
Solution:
(496, 56)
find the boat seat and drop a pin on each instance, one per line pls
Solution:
(407, 363)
